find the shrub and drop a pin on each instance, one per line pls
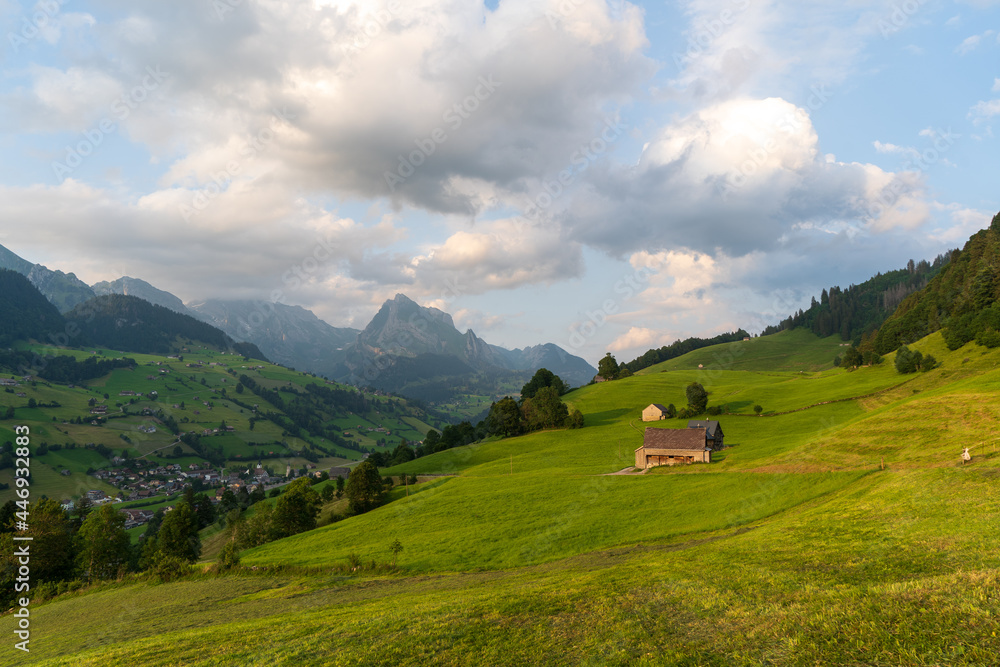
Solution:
(229, 558)
(988, 338)
(907, 361)
(574, 420)
(169, 568)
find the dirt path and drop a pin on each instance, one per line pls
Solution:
(627, 471)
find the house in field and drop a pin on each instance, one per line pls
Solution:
(672, 446)
(713, 432)
(654, 412)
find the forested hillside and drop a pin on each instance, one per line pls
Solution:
(131, 324)
(24, 311)
(861, 309)
(961, 301)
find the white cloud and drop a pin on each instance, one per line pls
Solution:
(961, 223)
(888, 148)
(472, 101)
(734, 176)
(500, 255)
(639, 338)
(471, 318)
(984, 110)
(260, 244)
(968, 45)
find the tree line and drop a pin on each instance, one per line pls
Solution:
(861, 309)
(668, 352)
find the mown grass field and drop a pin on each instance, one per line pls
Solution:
(795, 548)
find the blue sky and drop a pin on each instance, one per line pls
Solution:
(602, 175)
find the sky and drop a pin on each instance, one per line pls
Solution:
(599, 174)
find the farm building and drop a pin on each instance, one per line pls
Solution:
(654, 412)
(670, 446)
(713, 432)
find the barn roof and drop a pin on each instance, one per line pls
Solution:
(675, 438)
(711, 426)
(657, 405)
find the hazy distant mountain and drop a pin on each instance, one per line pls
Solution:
(418, 351)
(140, 288)
(574, 370)
(64, 290)
(288, 335)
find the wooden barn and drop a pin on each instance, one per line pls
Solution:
(654, 412)
(671, 446)
(713, 431)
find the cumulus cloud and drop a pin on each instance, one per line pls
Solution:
(985, 110)
(438, 105)
(638, 338)
(736, 176)
(472, 318)
(503, 254)
(259, 245)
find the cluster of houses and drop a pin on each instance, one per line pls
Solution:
(11, 382)
(673, 446)
(136, 482)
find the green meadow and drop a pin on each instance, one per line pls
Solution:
(839, 527)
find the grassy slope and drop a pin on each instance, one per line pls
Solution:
(556, 564)
(795, 350)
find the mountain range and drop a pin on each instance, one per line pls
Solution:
(406, 347)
